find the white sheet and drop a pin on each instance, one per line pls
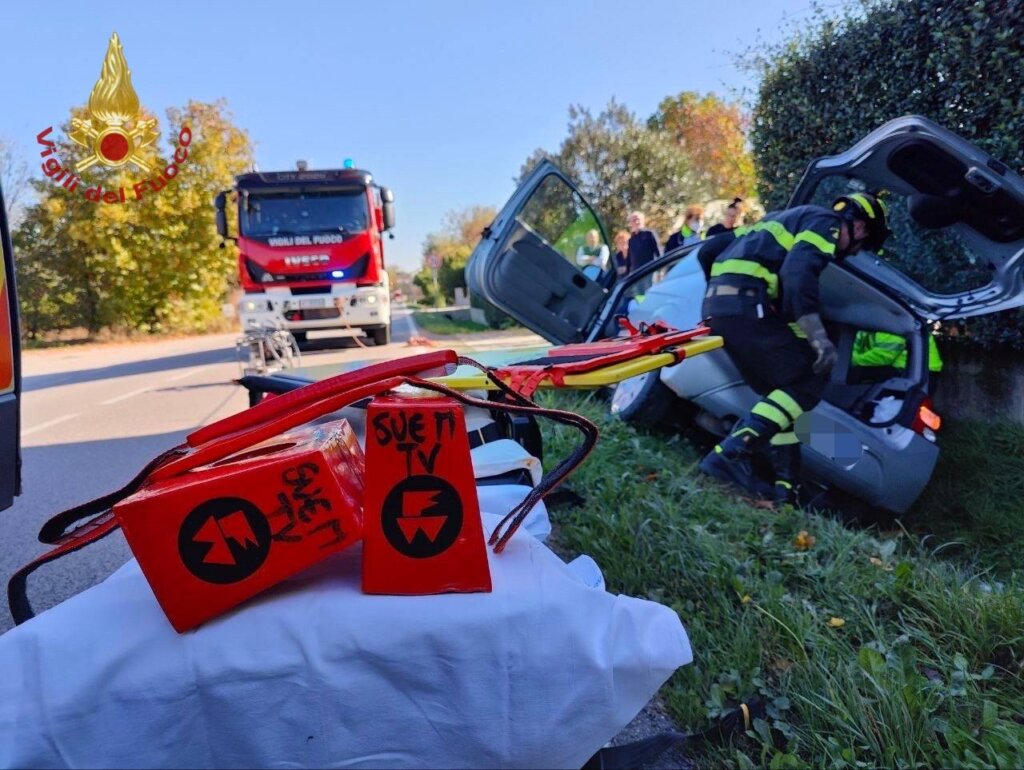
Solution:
(539, 673)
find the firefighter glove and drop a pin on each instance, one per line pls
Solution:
(825, 351)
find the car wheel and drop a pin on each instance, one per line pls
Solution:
(645, 400)
(381, 335)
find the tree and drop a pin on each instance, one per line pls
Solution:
(712, 134)
(459, 234)
(621, 164)
(14, 181)
(151, 264)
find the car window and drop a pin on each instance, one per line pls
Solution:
(561, 217)
(939, 260)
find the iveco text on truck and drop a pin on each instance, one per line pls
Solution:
(311, 250)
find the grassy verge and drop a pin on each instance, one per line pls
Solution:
(974, 504)
(870, 649)
(440, 323)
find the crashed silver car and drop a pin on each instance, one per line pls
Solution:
(875, 436)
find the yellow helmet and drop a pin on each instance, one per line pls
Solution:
(870, 209)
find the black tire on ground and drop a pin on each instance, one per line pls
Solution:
(381, 335)
(644, 400)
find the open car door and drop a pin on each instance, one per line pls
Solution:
(10, 372)
(957, 217)
(526, 263)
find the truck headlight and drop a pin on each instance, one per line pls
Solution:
(371, 299)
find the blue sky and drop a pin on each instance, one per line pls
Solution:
(442, 99)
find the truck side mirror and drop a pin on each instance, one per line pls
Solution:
(388, 200)
(222, 219)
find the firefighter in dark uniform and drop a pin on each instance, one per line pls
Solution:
(762, 298)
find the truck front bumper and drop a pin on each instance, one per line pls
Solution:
(344, 307)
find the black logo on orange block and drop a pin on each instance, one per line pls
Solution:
(224, 540)
(422, 516)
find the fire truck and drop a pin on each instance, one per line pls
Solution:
(311, 250)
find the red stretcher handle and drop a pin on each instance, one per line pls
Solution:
(273, 407)
(223, 446)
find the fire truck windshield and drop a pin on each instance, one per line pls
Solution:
(309, 213)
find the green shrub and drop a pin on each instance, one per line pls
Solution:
(959, 63)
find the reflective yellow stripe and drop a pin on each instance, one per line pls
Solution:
(772, 413)
(786, 401)
(778, 231)
(864, 204)
(784, 439)
(750, 268)
(811, 237)
(795, 328)
(934, 358)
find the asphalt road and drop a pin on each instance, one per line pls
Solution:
(92, 416)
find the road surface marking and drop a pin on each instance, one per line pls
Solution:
(183, 375)
(123, 396)
(49, 423)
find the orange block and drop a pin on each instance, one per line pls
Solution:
(212, 537)
(422, 530)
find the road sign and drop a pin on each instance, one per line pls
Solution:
(433, 261)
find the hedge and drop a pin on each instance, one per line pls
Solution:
(959, 63)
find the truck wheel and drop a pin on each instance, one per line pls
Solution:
(645, 400)
(381, 335)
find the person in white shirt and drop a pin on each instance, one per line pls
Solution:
(593, 252)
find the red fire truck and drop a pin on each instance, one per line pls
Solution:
(311, 250)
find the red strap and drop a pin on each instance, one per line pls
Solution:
(17, 586)
(221, 447)
(267, 410)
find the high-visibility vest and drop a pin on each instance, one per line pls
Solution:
(885, 349)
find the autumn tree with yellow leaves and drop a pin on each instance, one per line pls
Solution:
(712, 134)
(151, 264)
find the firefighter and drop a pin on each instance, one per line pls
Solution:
(762, 298)
(882, 349)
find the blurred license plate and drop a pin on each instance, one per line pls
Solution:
(304, 303)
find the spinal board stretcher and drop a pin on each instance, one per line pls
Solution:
(582, 366)
(593, 364)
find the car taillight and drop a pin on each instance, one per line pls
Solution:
(926, 421)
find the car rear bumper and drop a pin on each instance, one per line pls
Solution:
(885, 467)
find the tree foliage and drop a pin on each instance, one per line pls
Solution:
(693, 149)
(712, 134)
(959, 63)
(14, 181)
(459, 234)
(151, 264)
(620, 164)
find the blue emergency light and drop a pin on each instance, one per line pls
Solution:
(349, 163)
(337, 274)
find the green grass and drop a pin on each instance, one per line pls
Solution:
(439, 323)
(974, 504)
(926, 669)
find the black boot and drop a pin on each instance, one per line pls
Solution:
(730, 461)
(785, 460)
